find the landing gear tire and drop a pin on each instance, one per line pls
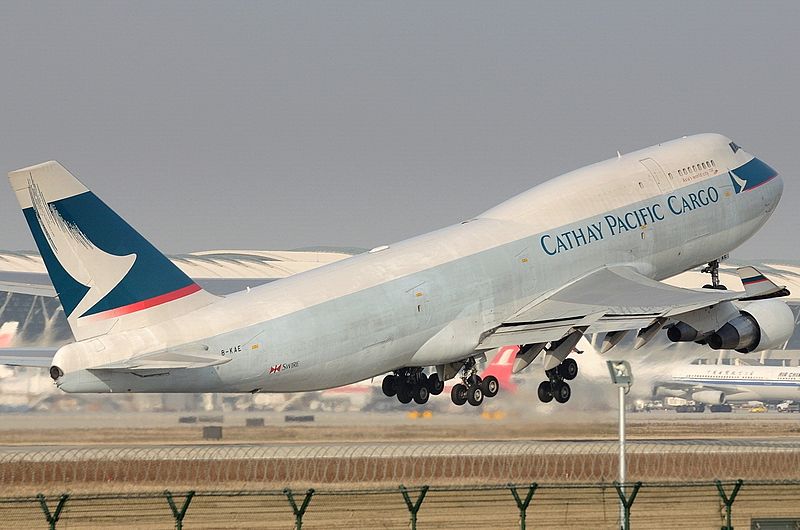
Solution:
(420, 394)
(404, 395)
(490, 386)
(545, 392)
(475, 395)
(389, 385)
(568, 369)
(562, 392)
(459, 394)
(435, 385)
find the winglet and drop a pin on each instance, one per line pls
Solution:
(757, 286)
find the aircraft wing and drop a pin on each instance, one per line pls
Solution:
(613, 299)
(32, 357)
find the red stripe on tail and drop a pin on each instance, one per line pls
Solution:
(146, 304)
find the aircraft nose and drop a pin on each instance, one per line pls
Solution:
(773, 193)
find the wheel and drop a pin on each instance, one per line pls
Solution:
(562, 392)
(389, 385)
(422, 379)
(568, 369)
(435, 385)
(420, 394)
(475, 395)
(490, 386)
(404, 394)
(545, 392)
(459, 394)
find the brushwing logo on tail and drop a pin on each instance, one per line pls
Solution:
(87, 264)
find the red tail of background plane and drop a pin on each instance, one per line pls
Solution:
(500, 366)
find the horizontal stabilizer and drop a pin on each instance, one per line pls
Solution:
(32, 357)
(33, 289)
(170, 359)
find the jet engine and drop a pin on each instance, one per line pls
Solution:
(709, 397)
(761, 325)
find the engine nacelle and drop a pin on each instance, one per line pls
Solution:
(709, 397)
(761, 325)
(682, 332)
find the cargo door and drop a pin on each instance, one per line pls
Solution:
(658, 174)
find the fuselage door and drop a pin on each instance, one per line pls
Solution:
(658, 174)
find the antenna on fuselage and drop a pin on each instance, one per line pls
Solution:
(619, 155)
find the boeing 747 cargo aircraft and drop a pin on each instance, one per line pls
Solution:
(582, 253)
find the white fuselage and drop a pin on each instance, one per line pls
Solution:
(427, 300)
(741, 383)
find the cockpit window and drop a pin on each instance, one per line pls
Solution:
(734, 147)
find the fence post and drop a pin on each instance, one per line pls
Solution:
(179, 514)
(52, 518)
(298, 512)
(627, 503)
(413, 508)
(728, 501)
(523, 505)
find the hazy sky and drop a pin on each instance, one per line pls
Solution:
(268, 125)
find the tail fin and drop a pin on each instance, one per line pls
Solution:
(501, 366)
(106, 274)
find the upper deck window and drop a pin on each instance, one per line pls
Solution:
(734, 147)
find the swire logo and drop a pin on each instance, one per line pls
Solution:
(275, 369)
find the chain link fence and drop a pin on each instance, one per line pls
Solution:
(655, 505)
(228, 467)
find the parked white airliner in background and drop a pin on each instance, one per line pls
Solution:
(581, 253)
(714, 384)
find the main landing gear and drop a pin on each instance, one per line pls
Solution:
(411, 384)
(556, 385)
(472, 388)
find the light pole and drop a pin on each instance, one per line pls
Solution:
(622, 376)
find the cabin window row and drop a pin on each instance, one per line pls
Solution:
(694, 168)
